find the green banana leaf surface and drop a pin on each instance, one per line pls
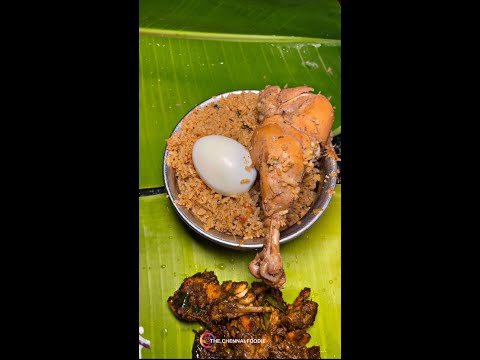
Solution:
(189, 51)
(301, 18)
(170, 252)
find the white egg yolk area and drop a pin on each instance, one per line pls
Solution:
(224, 165)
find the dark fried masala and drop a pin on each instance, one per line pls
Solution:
(233, 310)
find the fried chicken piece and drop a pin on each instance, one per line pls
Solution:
(201, 298)
(279, 330)
(192, 301)
(249, 327)
(301, 314)
(295, 125)
(236, 300)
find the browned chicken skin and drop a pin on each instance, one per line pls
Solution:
(295, 126)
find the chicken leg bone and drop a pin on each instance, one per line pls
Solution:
(268, 264)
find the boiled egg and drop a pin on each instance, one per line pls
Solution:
(224, 165)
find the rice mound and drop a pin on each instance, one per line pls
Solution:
(235, 117)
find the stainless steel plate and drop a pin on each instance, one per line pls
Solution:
(321, 202)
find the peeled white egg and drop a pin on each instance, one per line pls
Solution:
(222, 164)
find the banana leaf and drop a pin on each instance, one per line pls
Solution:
(170, 251)
(189, 51)
(177, 73)
(185, 59)
(310, 18)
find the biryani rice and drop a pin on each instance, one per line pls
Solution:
(235, 117)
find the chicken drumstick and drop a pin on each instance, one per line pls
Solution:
(295, 126)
